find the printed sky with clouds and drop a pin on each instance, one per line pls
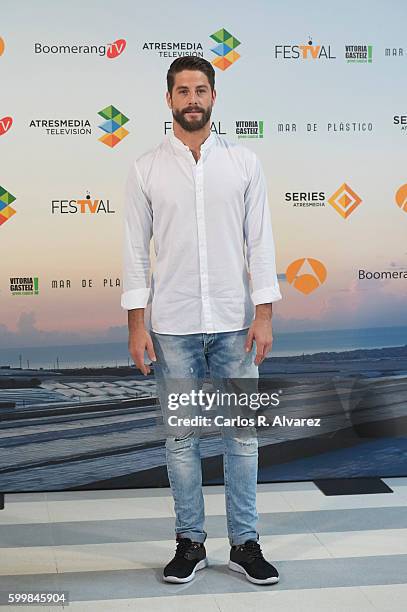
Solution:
(38, 168)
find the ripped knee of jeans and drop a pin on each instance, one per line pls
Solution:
(182, 440)
(241, 445)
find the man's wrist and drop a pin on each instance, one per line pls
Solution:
(136, 319)
(264, 312)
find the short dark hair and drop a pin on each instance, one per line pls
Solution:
(190, 62)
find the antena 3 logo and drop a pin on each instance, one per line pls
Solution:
(401, 197)
(306, 274)
(307, 51)
(111, 50)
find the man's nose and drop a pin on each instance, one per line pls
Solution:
(192, 98)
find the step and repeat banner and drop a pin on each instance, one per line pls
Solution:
(319, 93)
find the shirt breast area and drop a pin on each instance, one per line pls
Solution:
(179, 189)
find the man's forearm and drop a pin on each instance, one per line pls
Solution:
(135, 319)
(264, 311)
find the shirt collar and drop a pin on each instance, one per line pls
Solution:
(178, 144)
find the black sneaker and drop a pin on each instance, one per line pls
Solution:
(189, 557)
(248, 559)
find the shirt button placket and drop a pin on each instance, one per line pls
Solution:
(202, 245)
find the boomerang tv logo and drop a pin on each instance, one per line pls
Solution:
(109, 50)
(5, 125)
(116, 48)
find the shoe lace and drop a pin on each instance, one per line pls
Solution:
(183, 545)
(253, 550)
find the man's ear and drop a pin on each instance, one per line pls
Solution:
(214, 96)
(168, 98)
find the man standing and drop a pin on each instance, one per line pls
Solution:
(204, 201)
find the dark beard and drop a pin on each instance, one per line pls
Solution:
(192, 126)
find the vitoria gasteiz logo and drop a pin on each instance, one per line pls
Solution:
(344, 200)
(113, 126)
(6, 211)
(225, 49)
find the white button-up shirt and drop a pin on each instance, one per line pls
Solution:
(211, 226)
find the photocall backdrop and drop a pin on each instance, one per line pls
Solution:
(318, 92)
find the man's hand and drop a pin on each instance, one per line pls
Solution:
(261, 331)
(140, 340)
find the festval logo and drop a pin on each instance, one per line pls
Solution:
(116, 48)
(113, 126)
(225, 49)
(344, 200)
(306, 274)
(2, 45)
(401, 197)
(6, 211)
(311, 51)
(5, 125)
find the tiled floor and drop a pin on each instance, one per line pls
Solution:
(108, 549)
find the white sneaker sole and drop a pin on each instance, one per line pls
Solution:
(203, 563)
(238, 568)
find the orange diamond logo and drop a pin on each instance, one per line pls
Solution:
(344, 200)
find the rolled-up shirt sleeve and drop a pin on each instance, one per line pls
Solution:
(137, 233)
(258, 233)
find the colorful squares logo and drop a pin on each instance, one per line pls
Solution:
(344, 200)
(6, 211)
(225, 49)
(113, 126)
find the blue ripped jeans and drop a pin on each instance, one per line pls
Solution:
(181, 367)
